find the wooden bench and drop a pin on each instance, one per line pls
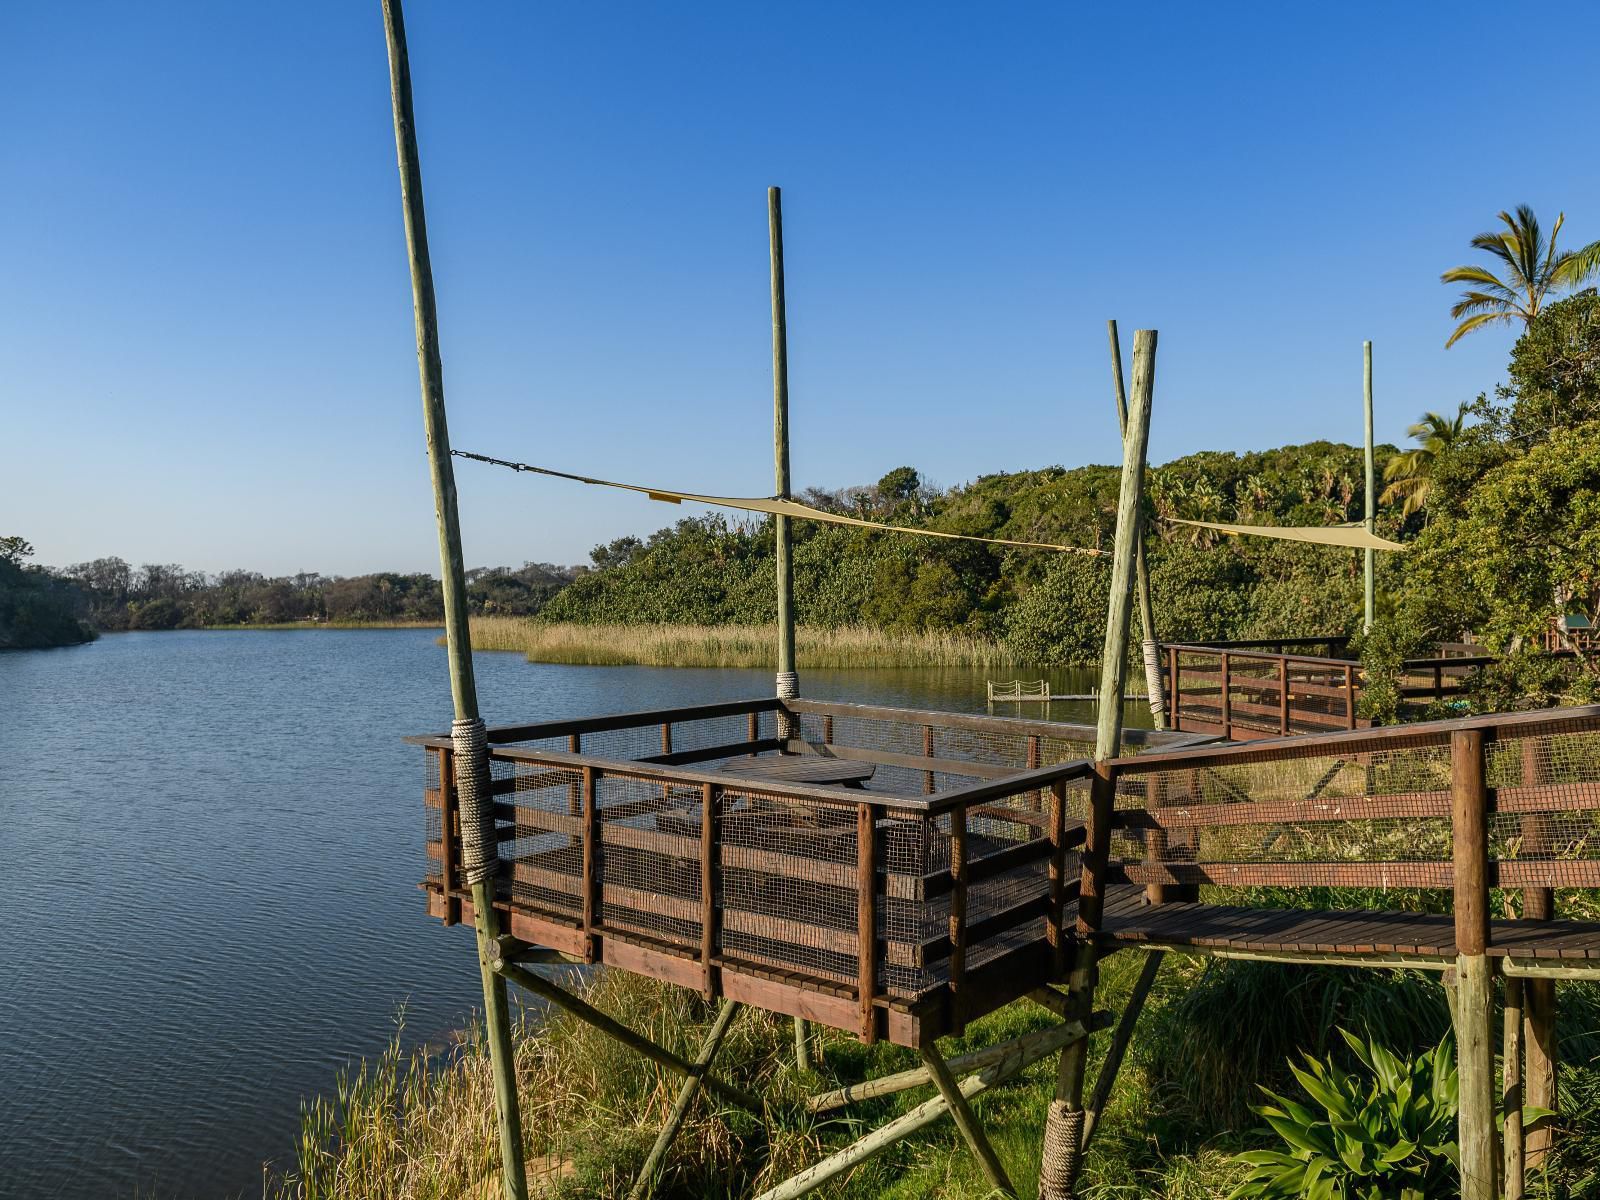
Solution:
(820, 769)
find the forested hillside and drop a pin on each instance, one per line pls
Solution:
(1049, 607)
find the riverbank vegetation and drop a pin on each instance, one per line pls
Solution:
(37, 611)
(413, 1126)
(732, 645)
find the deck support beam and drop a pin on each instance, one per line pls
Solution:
(1474, 978)
(617, 1031)
(966, 1122)
(1024, 1053)
(1120, 1041)
(1511, 1092)
(645, 1183)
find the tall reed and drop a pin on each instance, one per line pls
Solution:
(731, 645)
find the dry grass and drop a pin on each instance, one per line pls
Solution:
(730, 645)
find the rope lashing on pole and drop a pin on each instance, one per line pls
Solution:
(480, 859)
(1063, 1148)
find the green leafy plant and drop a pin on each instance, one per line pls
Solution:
(1388, 1138)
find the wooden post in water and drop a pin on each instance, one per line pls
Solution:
(1064, 1127)
(471, 749)
(1372, 487)
(1147, 612)
(1474, 986)
(788, 681)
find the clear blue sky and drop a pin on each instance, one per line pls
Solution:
(205, 330)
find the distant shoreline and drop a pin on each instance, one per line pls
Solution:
(280, 626)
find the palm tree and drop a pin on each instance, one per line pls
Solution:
(1533, 269)
(1410, 475)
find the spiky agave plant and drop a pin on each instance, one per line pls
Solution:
(1390, 1138)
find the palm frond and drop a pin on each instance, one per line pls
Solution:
(1479, 275)
(1472, 302)
(1578, 266)
(1477, 322)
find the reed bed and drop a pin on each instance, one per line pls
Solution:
(730, 645)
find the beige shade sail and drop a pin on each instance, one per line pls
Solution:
(1338, 535)
(1354, 536)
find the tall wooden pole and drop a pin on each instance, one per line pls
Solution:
(1147, 613)
(1474, 981)
(780, 441)
(1372, 486)
(788, 681)
(471, 752)
(1066, 1122)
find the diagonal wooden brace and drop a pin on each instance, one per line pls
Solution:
(645, 1183)
(966, 1122)
(1112, 1063)
(1023, 1052)
(617, 1031)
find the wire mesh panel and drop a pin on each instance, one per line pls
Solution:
(1544, 828)
(542, 854)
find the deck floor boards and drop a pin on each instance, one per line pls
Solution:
(1129, 921)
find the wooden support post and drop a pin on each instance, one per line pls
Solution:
(458, 640)
(958, 920)
(593, 879)
(1056, 929)
(1120, 1041)
(1474, 992)
(1511, 1092)
(618, 1032)
(927, 752)
(450, 831)
(1283, 696)
(1369, 589)
(709, 909)
(788, 679)
(966, 1122)
(1172, 682)
(1539, 995)
(867, 919)
(645, 1183)
(1147, 612)
(1064, 1125)
(1227, 696)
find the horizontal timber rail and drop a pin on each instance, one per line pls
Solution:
(1462, 806)
(891, 872)
(1248, 690)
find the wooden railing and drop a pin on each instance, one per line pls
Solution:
(1241, 692)
(900, 912)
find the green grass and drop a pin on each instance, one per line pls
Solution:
(730, 645)
(416, 1127)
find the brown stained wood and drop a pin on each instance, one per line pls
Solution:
(958, 915)
(1055, 926)
(1097, 845)
(1470, 837)
(591, 862)
(802, 768)
(916, 762)
(1227, 694)
(1011, 727)
(867, 919)
(708, 888)
(927, 753)
(1283, 696)
(505, 734)
(450, 832)
(827, 729)
(1287, 874)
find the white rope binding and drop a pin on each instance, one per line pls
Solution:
(1152, 683)
(479, 853)
(788, 689)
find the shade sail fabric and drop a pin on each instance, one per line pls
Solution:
(1354, 536)
(784, 508)
(1339, 535)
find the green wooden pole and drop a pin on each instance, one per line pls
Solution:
(471, 757)
(1372, 486)
(788, 683)
(1066, 1121)
(1147, 613)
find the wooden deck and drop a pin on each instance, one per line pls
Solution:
(721, 849)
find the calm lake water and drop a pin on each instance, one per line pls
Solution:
(211, 847)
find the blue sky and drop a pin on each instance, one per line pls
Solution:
(205, 335)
